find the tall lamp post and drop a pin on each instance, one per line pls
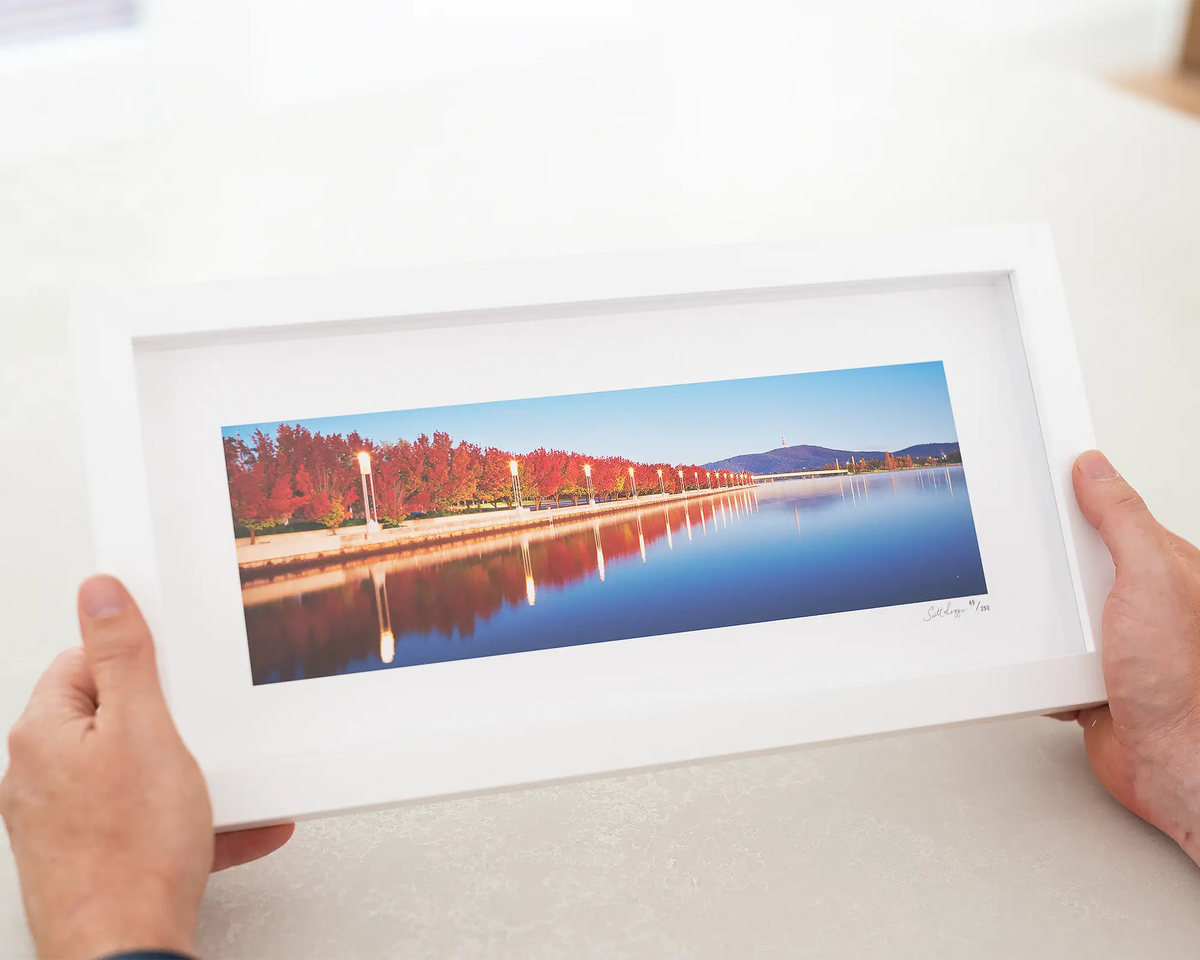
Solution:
(696, 479)
(364, 469)
(633, 482)
(681, 481)
(587, 472)
(661, 486)
(707, 480)
(516, 482)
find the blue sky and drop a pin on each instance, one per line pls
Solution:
(869, 408)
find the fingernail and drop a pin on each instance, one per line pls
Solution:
(1095, 466)
(102, 597)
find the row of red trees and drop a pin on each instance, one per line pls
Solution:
(907, 462)
(299, 475)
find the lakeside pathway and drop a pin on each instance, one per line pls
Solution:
(286, 552)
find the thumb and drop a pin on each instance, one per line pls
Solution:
(118, 645)
(1112, 506)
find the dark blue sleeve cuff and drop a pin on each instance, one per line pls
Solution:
(147, 955)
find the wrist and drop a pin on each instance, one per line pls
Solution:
(1176, 781)
(117, 927)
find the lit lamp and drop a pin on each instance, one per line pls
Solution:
(662, 486)
(681, 481)
(633, 481)
(708, 479)
(516, 482)
(587, 472)
(364, 469)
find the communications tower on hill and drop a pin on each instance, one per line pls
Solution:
(782, 438)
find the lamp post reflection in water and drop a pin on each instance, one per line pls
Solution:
(599, 549)
(641, 536)
(687, 516)
(530, 589)
(667, 521)
(387, 640)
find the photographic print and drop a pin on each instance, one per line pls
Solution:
(392, 539)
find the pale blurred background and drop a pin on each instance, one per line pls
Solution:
(167, 141)
(79, 70)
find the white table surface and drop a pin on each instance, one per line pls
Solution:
(990, 840)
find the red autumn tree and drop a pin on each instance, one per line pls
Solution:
(254, 507)
(323, 505)
(466, 470)
(495, 479)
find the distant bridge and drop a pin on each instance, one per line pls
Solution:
(799, 473)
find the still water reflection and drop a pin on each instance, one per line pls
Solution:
(793, 549)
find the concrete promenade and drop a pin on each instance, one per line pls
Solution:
(282, 552)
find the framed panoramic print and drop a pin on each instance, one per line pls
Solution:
(468, 528)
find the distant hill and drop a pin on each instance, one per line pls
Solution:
(807, 457)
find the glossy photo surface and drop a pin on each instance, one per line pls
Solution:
(383, 541)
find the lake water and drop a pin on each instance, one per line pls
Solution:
(795, 548)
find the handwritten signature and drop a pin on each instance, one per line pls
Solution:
(948, 610)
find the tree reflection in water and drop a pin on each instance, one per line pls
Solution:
(796, 549)
(321, 632)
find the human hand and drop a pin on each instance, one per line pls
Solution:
(1144, 745)
(106, 809)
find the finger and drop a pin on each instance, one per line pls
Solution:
(242, 846)
(119, 648)
(1113, 507)
(66, 687)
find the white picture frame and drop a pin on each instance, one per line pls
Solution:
(133, 351)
